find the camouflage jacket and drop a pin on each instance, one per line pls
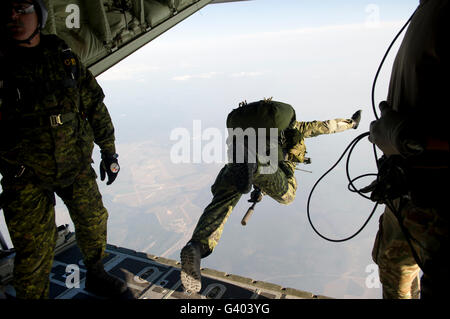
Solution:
(51, 112)
(310, 129)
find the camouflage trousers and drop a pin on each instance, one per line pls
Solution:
(30, 217)
(208, 231)
(398, 270)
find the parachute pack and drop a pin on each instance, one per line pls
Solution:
(264, 114)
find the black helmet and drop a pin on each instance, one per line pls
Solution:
(39, 7)
(41, 11)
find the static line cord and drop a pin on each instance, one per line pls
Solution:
(378, 72)
(382, 62)
(351, 146)
(389, 203)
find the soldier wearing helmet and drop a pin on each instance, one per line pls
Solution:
(24, 26)
(51, 113)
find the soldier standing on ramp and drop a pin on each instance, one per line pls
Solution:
(51, 113)
(237, 177)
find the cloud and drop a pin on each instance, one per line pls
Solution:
(245, 74)
(210, 75)
(202, 41)
(202, 53)
(186, 77)
(136, 72)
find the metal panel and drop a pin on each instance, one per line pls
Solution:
(121, 53)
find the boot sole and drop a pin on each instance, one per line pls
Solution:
(190, 270)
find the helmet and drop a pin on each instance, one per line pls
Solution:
(41, 11)
(39, 6)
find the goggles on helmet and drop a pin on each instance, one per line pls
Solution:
(23, 9)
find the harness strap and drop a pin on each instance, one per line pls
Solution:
(45, 120)
(20, 92)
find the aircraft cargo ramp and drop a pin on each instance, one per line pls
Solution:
(152, 277)
(148, 277)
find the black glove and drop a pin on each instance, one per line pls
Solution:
(256, 195)
(109, 165)
(395, 134)
(356, 117)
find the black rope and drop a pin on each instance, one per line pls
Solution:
(351, 187)
(349, 147)
(382, 62)
(389, 204)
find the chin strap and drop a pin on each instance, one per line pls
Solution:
(28, 40)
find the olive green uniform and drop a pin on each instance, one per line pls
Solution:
(419, 85)
(398, 270)
(52, 111)
(280, 185)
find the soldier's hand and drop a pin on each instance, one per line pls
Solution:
(394, 134)
(109, 166)
(382, 130)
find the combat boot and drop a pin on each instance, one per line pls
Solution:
(241, 176)
(356, 117)
(190, 267)
(99, 282)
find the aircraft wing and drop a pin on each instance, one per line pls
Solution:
(103, 32)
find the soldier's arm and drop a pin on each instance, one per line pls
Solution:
(9, 147)
(91, 96)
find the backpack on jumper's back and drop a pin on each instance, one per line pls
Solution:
(264, 114)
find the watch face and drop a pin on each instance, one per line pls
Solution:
(114, 168)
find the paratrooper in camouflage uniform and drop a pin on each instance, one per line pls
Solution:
(227, 189)
(413, 128)
(51, 113)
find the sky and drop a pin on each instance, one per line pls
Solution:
(318, 56)
(239, 51)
